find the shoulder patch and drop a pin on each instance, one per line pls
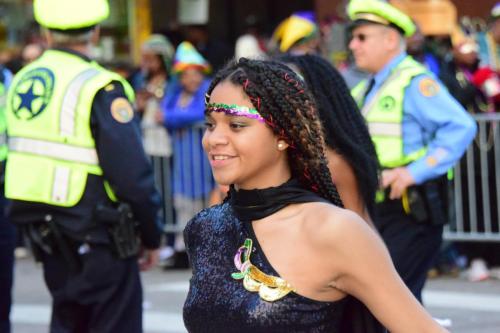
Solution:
(431, 161)
(428, 87)
(122, 110)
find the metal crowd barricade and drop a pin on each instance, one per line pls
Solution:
(193, 177)
(475, 203)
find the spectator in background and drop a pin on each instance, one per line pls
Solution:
(150, 85)
(489, 50)
(487, 76)
(183, 107)
(216, 51)
(457, 74)
(250, 44)
(416, 46)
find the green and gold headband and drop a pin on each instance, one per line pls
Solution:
(235, 110)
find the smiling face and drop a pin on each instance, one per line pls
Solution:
(242, 150)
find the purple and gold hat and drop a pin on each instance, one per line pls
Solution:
(300, 26)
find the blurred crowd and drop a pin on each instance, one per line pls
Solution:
(173, 74)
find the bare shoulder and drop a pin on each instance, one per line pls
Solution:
(329, 225)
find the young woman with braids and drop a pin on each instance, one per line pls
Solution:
(352, 159)
(280, 254)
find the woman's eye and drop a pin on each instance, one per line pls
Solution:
(237, 125)
(209, 125)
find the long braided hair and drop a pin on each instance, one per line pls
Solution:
(288, 108)
(344, 126)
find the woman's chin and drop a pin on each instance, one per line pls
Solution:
(223, 181)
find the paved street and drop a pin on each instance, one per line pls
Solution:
(472, 307)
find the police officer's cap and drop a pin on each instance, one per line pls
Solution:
(375, 11)
(70, 14)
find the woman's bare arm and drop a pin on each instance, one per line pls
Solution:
(364, 269)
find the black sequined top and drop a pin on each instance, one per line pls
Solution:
(218, 303)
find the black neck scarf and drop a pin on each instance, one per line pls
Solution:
(250, 205)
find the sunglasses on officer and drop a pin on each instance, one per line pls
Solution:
(362, 37)
(367, 31)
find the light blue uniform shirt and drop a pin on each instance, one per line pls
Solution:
(438, 122)
(7, 77)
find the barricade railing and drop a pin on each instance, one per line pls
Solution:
(475, 213)
(192, 178)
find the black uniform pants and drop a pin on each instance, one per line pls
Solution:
(413, 246)
(103, 296)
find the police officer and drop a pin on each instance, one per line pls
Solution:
(76, 163)
(7, 232)
(419, 132)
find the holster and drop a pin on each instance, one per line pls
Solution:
(428, 202)
(47, 238)
(39, 240)
(120, 224)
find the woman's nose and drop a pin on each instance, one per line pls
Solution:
(214, 137)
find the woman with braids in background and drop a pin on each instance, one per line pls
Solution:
(352, 159)
(351, 156)
(280, 254)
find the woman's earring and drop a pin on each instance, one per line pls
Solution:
(281, 146)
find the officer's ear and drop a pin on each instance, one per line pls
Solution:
(48, 37)
(96, 33)
(395, 38)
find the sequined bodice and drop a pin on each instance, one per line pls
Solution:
(219, 303)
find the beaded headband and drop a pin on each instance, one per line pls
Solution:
(235, 110)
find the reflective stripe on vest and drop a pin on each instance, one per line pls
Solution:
(385, 129)
(70, 100)
(71, 153)
(385, 123)
(55, 150)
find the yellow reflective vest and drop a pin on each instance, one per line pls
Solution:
(384, 114)
(51, 148)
